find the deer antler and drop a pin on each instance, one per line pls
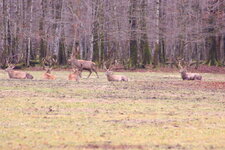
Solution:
(108, 64)
(50, 61)
(179, 65)
(53, 61)
(180, 60)
(9, 64)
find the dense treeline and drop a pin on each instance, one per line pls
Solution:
(134, 33)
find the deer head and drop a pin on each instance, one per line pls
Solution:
(10, 67)
(111, 77)
(75, 75)
(15, 74)
(184, 74)
(48, 69)
(47, 75)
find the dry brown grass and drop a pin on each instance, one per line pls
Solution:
(155, 111)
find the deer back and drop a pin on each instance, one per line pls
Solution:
(84, 64)
(194, 76)
(14, 74)
(189, 76)
(49, 76)
(17, 74)
(112, 77)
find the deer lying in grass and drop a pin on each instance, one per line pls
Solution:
(50, 62)
(84, 65)
(13, 74)
(109, 74)
(75, 75)
(47, 75)
(188, 76)
(112, 77)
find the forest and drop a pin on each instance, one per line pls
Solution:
(135, 33)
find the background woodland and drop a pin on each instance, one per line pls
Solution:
(133, 32)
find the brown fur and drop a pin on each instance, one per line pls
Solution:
(75, 75)
(190, 76)
(13, 74)
(47, 75)
(185, 75)
(112, 77)
(84, 65)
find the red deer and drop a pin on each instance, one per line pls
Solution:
(75, 75)
(188, 76)
(13, 74)
(109, 74)
(112, 77)
(50, 62)
(84, 65)
(47, 75)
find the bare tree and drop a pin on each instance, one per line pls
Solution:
(135, 33)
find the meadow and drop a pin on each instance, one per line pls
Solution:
(154, 110)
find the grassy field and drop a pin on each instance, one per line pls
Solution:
(155, 111)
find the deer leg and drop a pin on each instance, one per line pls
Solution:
(96, 73)
(89, 73)
(80, 74)
(81, 70)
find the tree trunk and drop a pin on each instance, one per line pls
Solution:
(43, 42)
(133, 37)
(6, 50)
(157, 43)
(30, 7)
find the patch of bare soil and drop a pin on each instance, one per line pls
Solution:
(112, 147)
(130, 147)
(211, 85)
(216, 85)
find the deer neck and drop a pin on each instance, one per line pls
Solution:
(183, 75)
(76, 61)
(9, 70)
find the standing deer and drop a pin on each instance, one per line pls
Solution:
(84, 65)
(47, 75)
(13, 74)
(188, 76)
(75, 75)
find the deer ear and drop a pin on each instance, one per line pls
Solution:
(12, 66)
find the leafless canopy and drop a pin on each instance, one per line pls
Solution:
(133, 32)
